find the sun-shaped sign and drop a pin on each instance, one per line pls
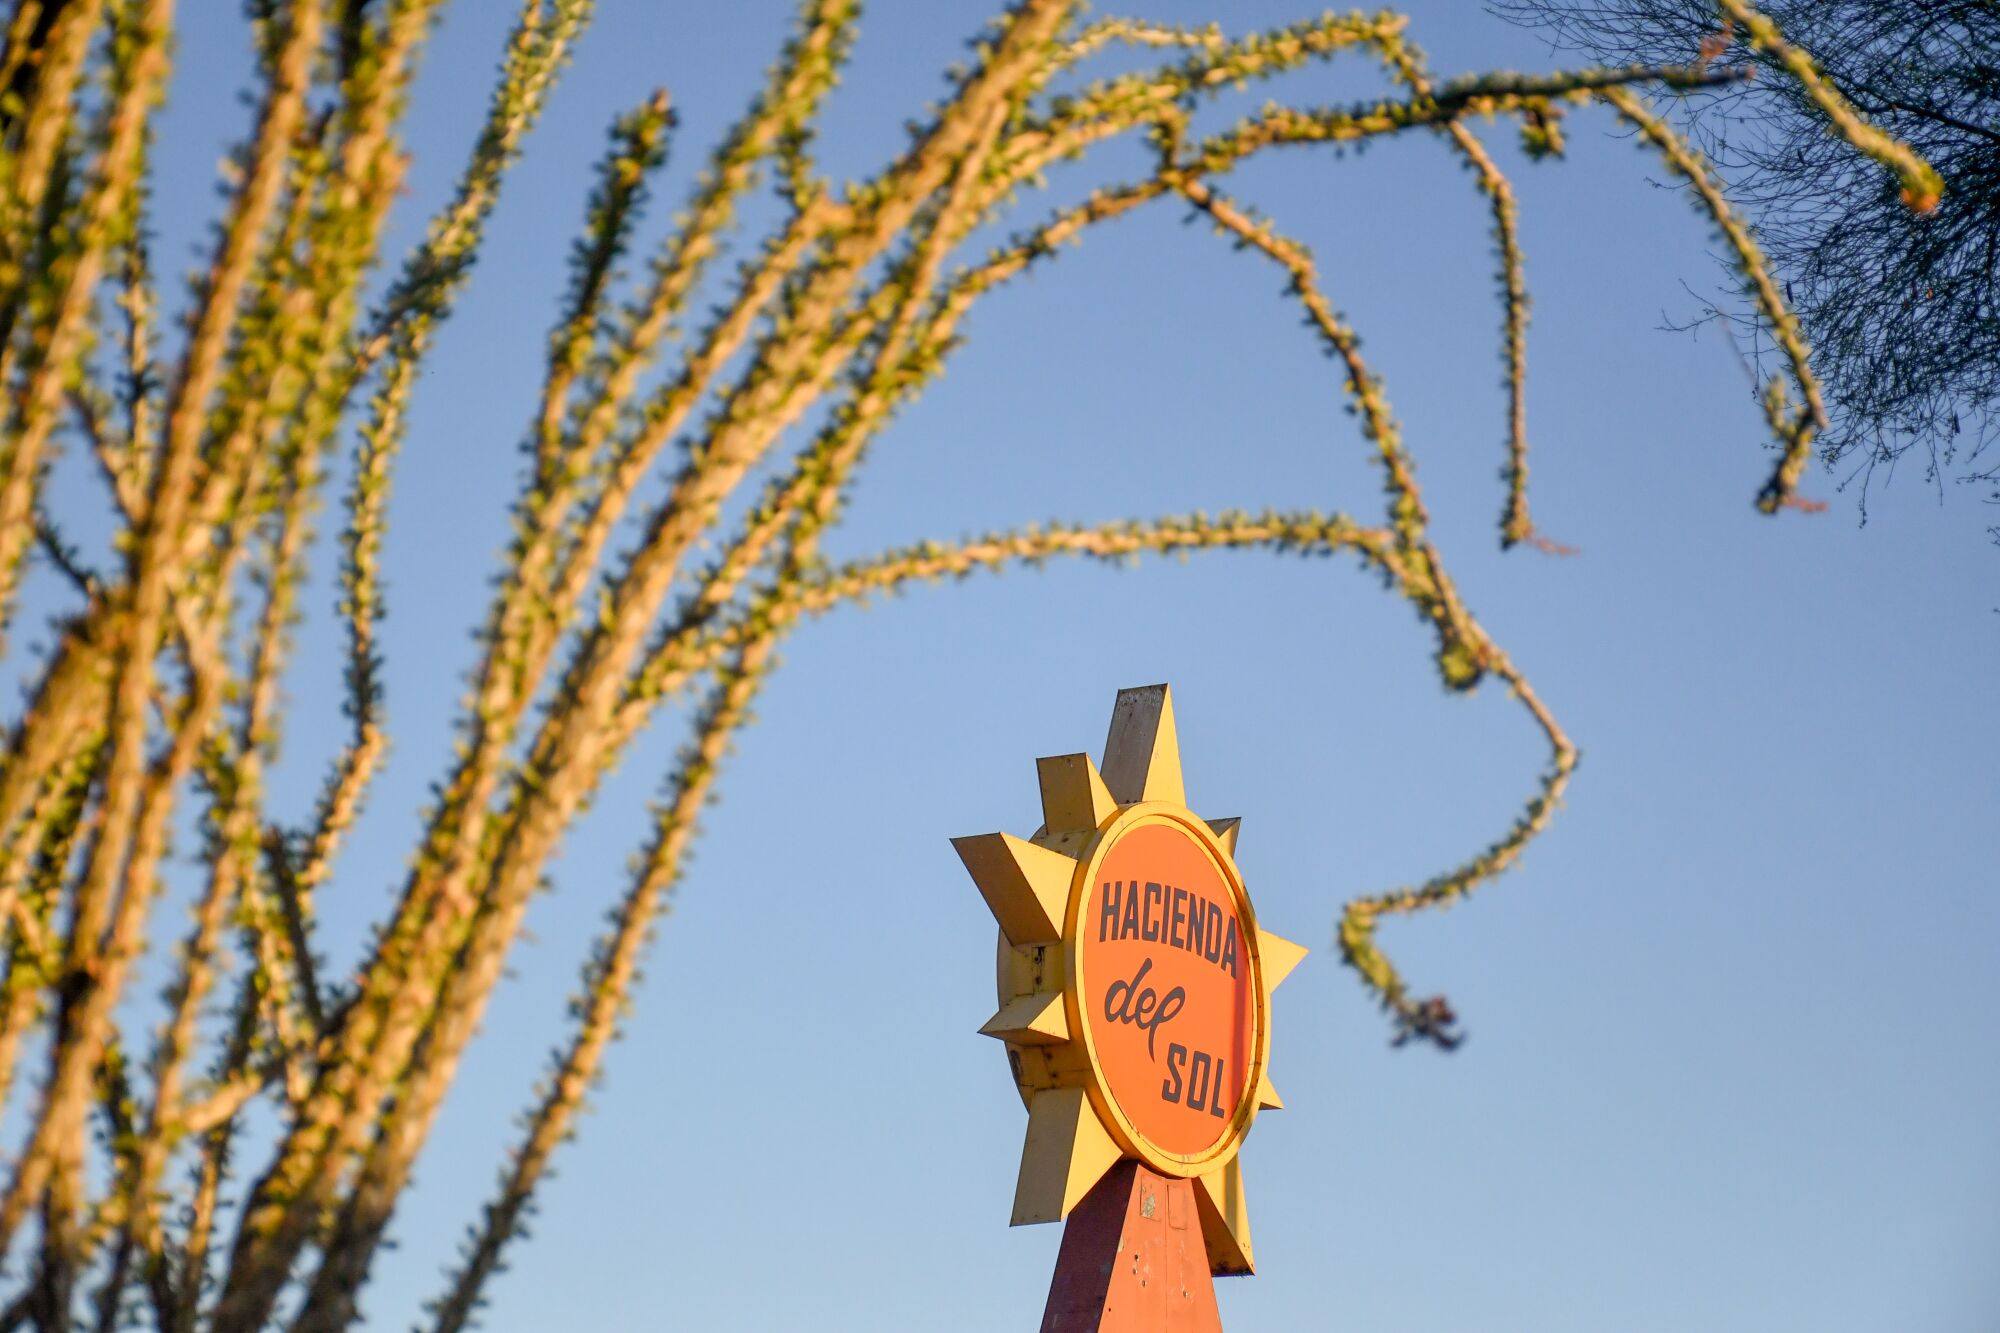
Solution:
(1134, 981)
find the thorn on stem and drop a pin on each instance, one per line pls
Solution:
(1550, 546)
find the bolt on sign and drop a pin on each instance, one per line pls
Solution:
(1134, 984)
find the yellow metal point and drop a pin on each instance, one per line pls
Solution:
(1074, 797)
(1142, 753)
(1032, 1020)
(1066, 1153)
(1025, 886)
(1279, 957)
(1225, 1221)
(1225, 831)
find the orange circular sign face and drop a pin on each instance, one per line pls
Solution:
(1166, 988)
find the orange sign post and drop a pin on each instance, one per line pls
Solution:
(1134, 988)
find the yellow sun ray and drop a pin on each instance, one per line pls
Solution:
(1225, 1221)
(1033, 1020)
(1142, 752)
(1026, 887)
(1225, 831)
(1074, 797)
(1279, 956)
(1067, 1151)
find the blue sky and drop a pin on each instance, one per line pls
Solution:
(1732, 1063)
